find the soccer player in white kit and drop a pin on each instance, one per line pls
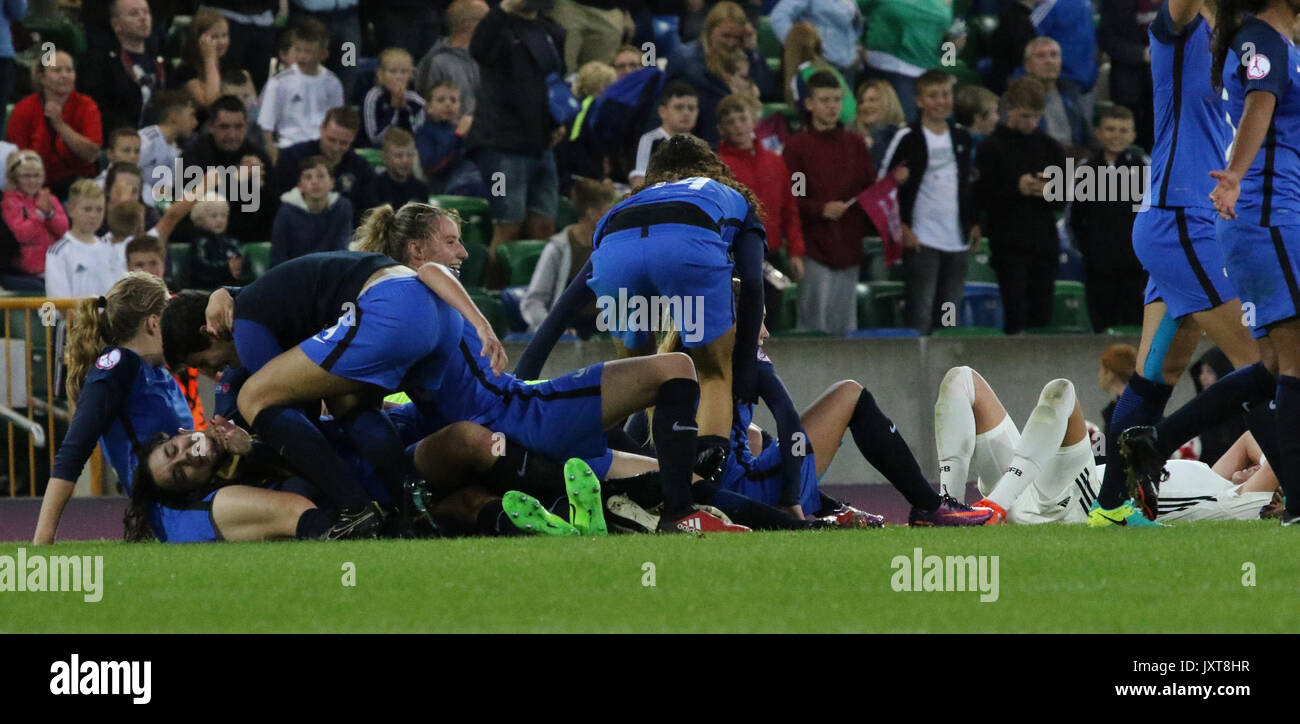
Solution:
(1047, 474)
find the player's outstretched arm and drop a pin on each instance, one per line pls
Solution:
(1256, 117)
(444, 283)
(57, 493)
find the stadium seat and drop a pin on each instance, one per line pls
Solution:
(178, 264)
(511, 298)
(257, 257)
(964, 74)
(373, 156)
(1070, 308)
(520, 258)
(789, 111)
(492, 308)
(769, 46)
(58, 29)
(476, 225)
(565, 214)
(873, 260)
(979, 268)
(884, 302)
(981, 306)
(473, 269)
(1071, 267)
(789, 317)
(1130, 330)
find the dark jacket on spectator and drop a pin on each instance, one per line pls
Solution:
(104, 75)
(1013, 33)
(687, 64)
(354, 178)
(1016, 225)
(388, 191)
(245, 226)
(298, 231)
(1103, 228)
(911, 150)
(836, 166)
(1123, 36)
(515, 56)
(210, 256)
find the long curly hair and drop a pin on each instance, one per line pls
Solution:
(109, 320)
(685, 156)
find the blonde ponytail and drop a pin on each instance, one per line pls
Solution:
(109, 320)
(385, 231)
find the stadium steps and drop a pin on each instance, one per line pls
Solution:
(520, 258)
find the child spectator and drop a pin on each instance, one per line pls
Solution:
(1019, 219)
(934, 203)
(126, 223)
(215, 258)
(564, 256)
(678, 110)
(295, 101)
(397, 185)
(6, 150)
(159, 148)
(802, 56)
(579, 155)
(835, 166)
(879, 117)
(976, 108)
(312, 217)
(34, 215)
(766, 175)
(391, 103)
(145, 253)
(1114, 281)
(205, 62)
(441, 145)
(354, 177)
(82, 264)
(123, 147)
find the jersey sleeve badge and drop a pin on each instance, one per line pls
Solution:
(109, 359)
(1258, 67)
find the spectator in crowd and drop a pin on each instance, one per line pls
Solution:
(353, 175)
(1070, 24)
(440, 144)
(147, 254)
(1019, 219)
(766, 175)
(1114, 281)
(216, 258)
(226, 145)
(10, 11)
(1064, 119)
(801, 57)
(237, 84)
(296, 100)
(81, 264)
(391, 103)
(579, 155)
(398, 184)
(934, 203)
(60, 124)
(903, 40)
(409, 24)
(836, 166)
(342, 20)
(252, 33)
(206, 61)
(1115, 366)
(124, 183)
(123, 79)
(564, 256)
(449, 58)
(516, 50)
(627, 60)
(1210, 368)
(159, 147)
(726, 31)
(1014, 31)
(838, 25)
(879, 116)
(126, 224)
(678, 111)
(593, 29)
(36, 218)
(312, 217)
(976, 108)
(1123, 37)
(123, 146)
(6, 149)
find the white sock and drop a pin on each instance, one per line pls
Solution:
(954, 430)
(1039, 441)
(994, 450)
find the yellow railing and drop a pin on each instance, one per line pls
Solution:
(30, 369)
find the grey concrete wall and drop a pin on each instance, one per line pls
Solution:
(904, 375)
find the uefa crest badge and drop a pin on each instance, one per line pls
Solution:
(109, 359)
(1258, 67)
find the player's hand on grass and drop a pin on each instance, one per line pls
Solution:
(220, 314)
(493, 350)
(1225, 192)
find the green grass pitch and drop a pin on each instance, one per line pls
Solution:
(1052, 578)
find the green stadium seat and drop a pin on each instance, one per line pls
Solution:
(476, 224)
(492, 308)
(773, 64)
(373, 156)
(257, 257)
(473, 269)
(1123, 330)
(769, 46)
(786, 109)
(873, 260)
(520, 258)
(178, 263)
(565, 214)
(964, 74)
(789, 317)
(1070, 308)
(884, 302)
(979, 268)
(60, 30)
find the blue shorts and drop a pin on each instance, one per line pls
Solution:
(192, 524)
(687, 265)
(559, 418)
(396, 323)
(760, 477)
(1262, 263)
(533, 179)
(1181, 253)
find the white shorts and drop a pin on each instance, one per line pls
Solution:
(1195, 492)
(1062, 494)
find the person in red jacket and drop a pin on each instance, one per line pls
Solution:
(766, 175)
(829, 165)
(60, 124)
(34, 215)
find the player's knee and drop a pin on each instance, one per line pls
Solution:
(674, 365)
(851, 389)
(250, 400)
(1058, 392)
(959, 378)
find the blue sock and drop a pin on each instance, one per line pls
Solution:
(1287, 463)
(1219, 401)
(381, 445)
(1141, 403)
(299, 442)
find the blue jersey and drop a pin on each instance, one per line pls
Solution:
(724, 209)
(124, 402)
(1270, 190)
(1192, 132)
(459, 386)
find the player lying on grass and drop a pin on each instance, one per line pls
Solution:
(1047, 473)
(784, 471)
